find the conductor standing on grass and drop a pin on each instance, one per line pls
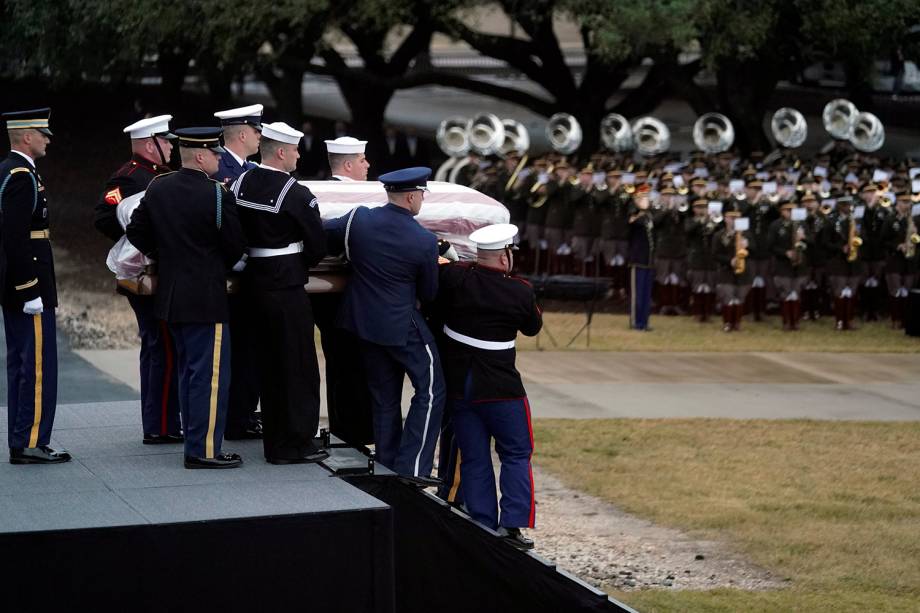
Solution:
(484, 308)
(188, 223)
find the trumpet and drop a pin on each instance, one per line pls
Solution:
(853, 242)
(798, 244)
(741, 253)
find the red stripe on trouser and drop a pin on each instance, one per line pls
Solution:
(167, 377)
(533, 506)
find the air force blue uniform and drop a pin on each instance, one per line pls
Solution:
(230, 170)
(394, 267)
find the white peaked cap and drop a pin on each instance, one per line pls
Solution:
(494, 237)
(241, 112)
(281, 132)
(345, 144)
(145, 128)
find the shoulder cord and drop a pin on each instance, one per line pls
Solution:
(218, 190)
(34, 186)
(351, 216)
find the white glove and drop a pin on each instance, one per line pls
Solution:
(451, 254)
(239, 266)
(33, 307)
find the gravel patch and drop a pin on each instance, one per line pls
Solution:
(616, 551)
(96, 320)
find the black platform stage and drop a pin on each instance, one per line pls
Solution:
(125, 527)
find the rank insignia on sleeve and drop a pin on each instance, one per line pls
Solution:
(113, 197)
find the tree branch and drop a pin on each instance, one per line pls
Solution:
(509, 94)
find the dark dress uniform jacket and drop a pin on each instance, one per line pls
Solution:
(894, 234)
(782, 239)
(723, 250)
(488, 305)
(229, 169)
(29, 262)
(276, 211)
(188, 223)
(641, 242)
(130, 179)
(394, 263)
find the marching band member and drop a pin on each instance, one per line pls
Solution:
(670, 251)
(729, 248)
(787, 243)
(484, 308)
(700, 229)
(842, 242)
(29, 292)
(902, 242)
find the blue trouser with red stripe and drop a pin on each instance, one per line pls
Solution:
(476, 423)
(203, 354)
(31, 376)
(159, 373)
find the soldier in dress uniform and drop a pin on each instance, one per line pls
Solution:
(873, 251)
(812, 290)
(348, 399)
(347, 159)
(558, 224)
(188, 223)
(29, 293)
(787, 244)
(483, 309)
(901, 239)
(700, 228)
(241, 133)
(641, 260)
(734, 279)
(242, 128)
(761, 214)
(151, 146)
(585, 229)
(614, 203)
(841, 240)
(394, 263)
(281, 221)
(670, 251)
(536, 217)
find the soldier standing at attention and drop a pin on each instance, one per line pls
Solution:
(285, 235)
(483, 309)
(641, 261)
(242, 133)
(188, 223)
(151, 146)
(29, 293)
(394, 263)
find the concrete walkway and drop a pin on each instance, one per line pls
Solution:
(883, 387)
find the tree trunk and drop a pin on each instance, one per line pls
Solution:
(173, 67)
(286, 89)
(744, 94)
(368, 112)
(219, 80)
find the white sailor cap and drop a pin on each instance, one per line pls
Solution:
(281, 132)
(151, 126)
(345, 144)
(494, 237)
(251, 114)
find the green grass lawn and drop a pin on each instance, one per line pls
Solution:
(833, 507)
(611, 333)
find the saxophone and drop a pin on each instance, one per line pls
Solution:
(912, 239)
(853, 241)
(740, 253)
(798, 245)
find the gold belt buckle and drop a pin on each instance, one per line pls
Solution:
(40, 234)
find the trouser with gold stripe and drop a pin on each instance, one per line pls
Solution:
(31, 375)
(203, 355)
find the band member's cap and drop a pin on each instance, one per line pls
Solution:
(809, 196)
(346, 145)
(786, 205)
(251, 115)
(281, 132)
(149, 127)
(201, 138)
(700, 202)
(494, 237)
(406, 180)
(36, 119)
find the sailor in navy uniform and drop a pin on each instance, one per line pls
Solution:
(394, 265)
(29, 294)
(484, 308)
(347, 160)
(283, 229)
(348, 399)
(242, 128)
(188, 223)
(151, 146)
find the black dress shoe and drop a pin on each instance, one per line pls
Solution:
(43, 454)
(252, 432)
(223, 460)
(420, 481)
(514, 538)
(310, 458)
(163, 439)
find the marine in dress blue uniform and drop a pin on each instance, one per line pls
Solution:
(29, 294)
(242, 127)
(641, 261)
(188, 223)
(483, 308)
(394, 269)
(285, 235)
(151, 146)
